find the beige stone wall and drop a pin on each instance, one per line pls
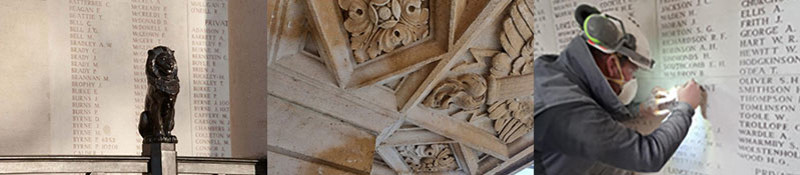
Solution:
(73, 81)
(25, 110)
(24, 69)
(248, 71)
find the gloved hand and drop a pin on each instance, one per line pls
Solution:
(690, 93)
(658, 104)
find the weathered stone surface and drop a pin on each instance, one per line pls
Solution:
(300, 129)
(283, 165)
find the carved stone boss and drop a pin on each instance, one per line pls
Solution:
(428, 158)
(506, 92)
(380, 26)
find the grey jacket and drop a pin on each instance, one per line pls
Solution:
(577, 116)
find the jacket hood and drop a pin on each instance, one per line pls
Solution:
(573, 77)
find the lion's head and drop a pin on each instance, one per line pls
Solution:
(162, 69)
(163, 63)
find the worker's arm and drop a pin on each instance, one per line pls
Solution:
(586, 130)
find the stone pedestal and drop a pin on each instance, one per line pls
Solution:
(162, 158)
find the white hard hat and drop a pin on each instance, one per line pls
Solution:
(615, 33)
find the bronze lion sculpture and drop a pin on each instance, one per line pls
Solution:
(158, 118)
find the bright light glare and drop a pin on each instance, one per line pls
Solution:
(526, 171)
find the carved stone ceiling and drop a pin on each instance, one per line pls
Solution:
(413, 149)
(498, 84)
(460, 71)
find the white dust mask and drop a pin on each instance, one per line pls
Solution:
(629, 88)
(628, 92)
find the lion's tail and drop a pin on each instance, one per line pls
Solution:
(144, 125)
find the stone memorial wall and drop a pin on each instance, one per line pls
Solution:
(94, 69)
(743, 52)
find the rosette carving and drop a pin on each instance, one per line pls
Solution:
(377, 27)
(467, 92)
(428, 158)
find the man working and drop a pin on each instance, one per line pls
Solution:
(581, 95)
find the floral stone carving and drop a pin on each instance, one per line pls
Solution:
(467, 92)
(428, 158)
(512, 118)
(507, 94)
(380, 26)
